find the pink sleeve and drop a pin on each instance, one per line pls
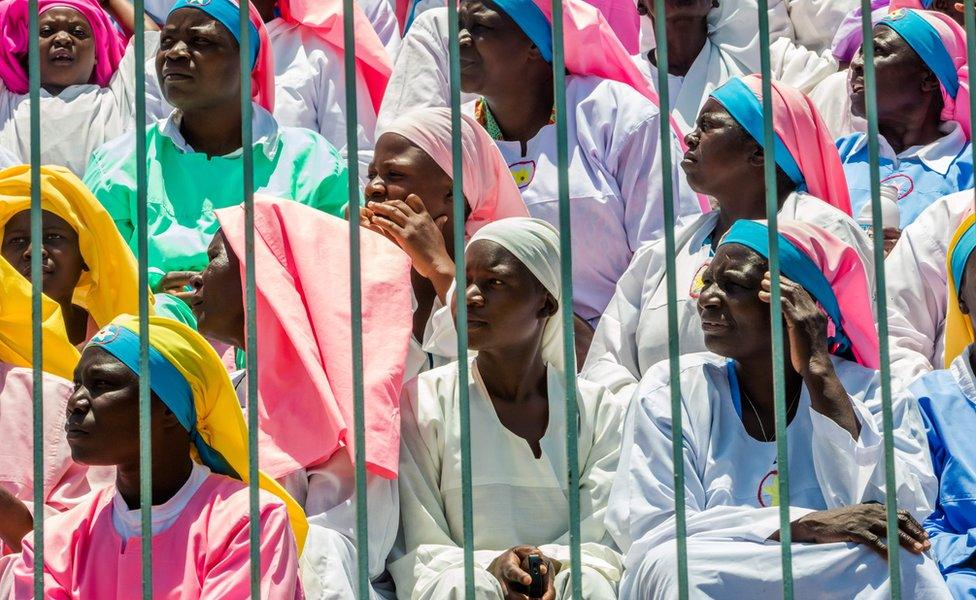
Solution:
(228, 577)
(23, 576)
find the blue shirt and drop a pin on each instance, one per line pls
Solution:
(947, 400)
(922, 174)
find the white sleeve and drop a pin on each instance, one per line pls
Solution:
(816, 21)
(613, 360)
(123, 83)
(636, 164)
(799, 67)
(381, 14)
(916, 290)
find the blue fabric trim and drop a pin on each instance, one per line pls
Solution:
(795, 265)
(229, 16)
(532, 22)
(745, 108)
(959, 255)
(926, 42)
(734, 387)
(166, 382)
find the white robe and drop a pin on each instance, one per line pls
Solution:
(733, 50)
(518, 499)
(327, 493)
(79, 119)
(917, 287)
(815, 22)
(421, 71)
(731, 493)
(633, 332)
(615, 187)
(7, 158)
(382, 15)
(310, 90)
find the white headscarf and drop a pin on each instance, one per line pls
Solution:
(535, 244)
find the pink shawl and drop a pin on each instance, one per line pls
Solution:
(954, 37)
(109, 42)
(844, 271)
(488, 185)
(305, 399)
(798, 124)
(324, 18)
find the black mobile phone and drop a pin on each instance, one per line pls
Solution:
(537, 588)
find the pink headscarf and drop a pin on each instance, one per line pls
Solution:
(488, 185)
(954, 38)
(798, 124)
(324, 18)
(262, 75)
(14, 40)
(842, 267)
(305, 398)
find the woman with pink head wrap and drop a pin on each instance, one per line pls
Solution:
(725, 161)
(923, 113)
(87, 78)
(410, 199)
(833, 401)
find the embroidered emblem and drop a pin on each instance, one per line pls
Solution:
(894, 15)
(698, 282)
(198, 2)
(768, 492)
(106, 335)
(523, 172)
(904, 183)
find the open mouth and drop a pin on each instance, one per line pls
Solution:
(61, 56)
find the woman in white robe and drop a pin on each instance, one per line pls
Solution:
(87, 92)
(709, 42)
(518, 451)
(832, 394)
(633, 332)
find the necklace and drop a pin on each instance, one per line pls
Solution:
(762, 430)
(483, 115)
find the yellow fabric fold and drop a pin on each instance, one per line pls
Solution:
(110, 286)
(958, 327)
(16, 339)
(220, 420)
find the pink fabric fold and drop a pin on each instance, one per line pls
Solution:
(623, 19)
(262, 75)
(798, 124)
(488, 185)
(14, 41)
(324, 17)
(844, 271)
(305, 387)
(954, 37)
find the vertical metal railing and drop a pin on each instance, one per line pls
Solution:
(37, 279)
(671, 283)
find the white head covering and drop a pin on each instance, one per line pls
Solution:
(535, 244)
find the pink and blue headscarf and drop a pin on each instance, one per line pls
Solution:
(832, 273)
(941, 44)
(14, 40)
(804, 148)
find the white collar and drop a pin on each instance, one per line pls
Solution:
(264, 129)
(962, 372)
(937, 156)
(128, 523)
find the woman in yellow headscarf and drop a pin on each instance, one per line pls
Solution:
(201, 523)
(88, 268)
(958, 327)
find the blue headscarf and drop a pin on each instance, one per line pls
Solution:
(532, 22)
(927, 43)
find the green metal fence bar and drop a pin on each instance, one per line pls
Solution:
(460, 299)
(871, 110)
(359, 411)
(250, 301)
(671, 281)
(566, 281)
(775, 305)
(37, 283)
(142, 229)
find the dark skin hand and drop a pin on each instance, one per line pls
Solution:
(864, 524)
(891, 237)
(15, 520)
(176, 283)
(511, 569)
(125, 15)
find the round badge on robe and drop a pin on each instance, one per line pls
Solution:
(523, 172)
(768, 493)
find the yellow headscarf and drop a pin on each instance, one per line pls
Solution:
(16, 340)
(958, 327)
(110, 286)
(219, 418)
